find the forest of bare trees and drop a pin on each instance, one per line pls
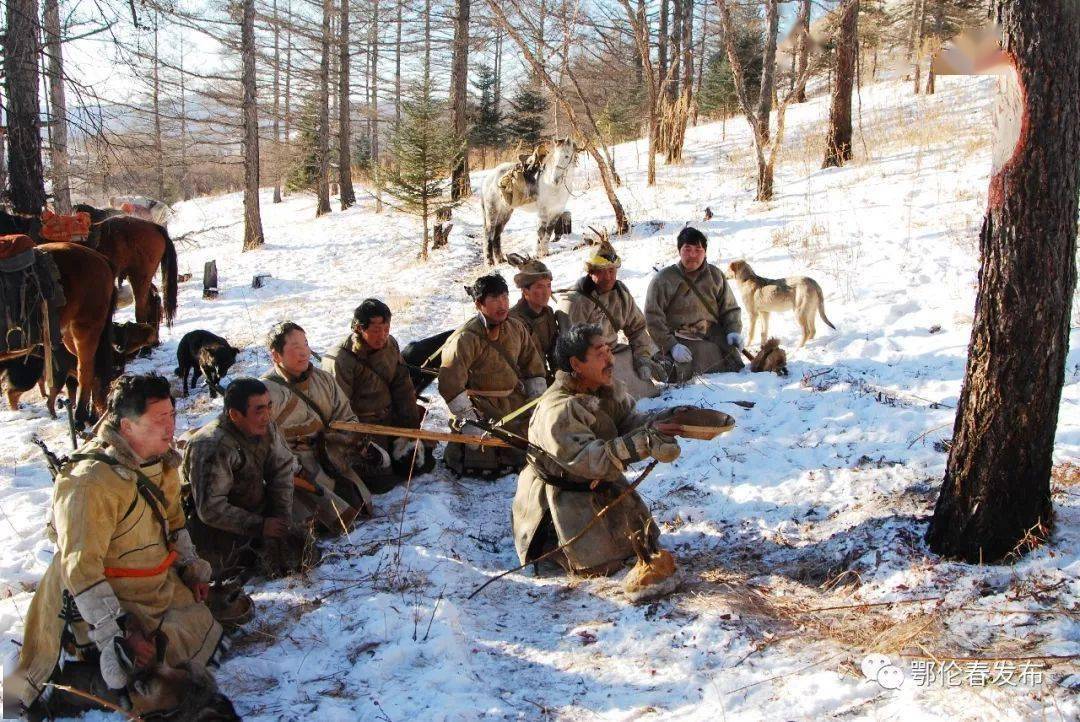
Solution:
(173, 101)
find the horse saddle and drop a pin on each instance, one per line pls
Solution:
(29, 279)
(65, 229)
(518, 187)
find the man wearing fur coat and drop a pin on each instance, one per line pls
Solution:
(532, 309)
(123, 553)
(305, 400)
(371, 372)
(490, 368)
(600, 298)
(588, 427)
(692, 313)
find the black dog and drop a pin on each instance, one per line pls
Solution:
(203, 354)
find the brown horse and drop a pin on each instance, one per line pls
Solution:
(85, 321)
(134, 247)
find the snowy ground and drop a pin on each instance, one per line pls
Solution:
(813, 506)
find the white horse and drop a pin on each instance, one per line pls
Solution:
(546, 196)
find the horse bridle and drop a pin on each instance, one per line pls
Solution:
(562, 169)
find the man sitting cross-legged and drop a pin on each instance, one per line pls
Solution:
(240, 475)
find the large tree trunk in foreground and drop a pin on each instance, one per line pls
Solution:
(253, 231)
(23, 121)
(838, 137)
(995, 498)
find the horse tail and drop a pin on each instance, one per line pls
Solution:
(104, 356)
(168, 277)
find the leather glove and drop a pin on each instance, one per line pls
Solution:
(681, 354)
(649, 369)
(100, 608)
(194, 569)
(402, 451)
(535, 386)
(735, 339)
(462, 408)
(642, 443)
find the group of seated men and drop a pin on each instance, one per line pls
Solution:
(141, 532)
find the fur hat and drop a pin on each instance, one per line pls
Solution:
(604, 257)
(530, 270)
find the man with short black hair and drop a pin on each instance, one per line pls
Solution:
(692, 313)
(600, 298)
(490, 369)
(371, 372)
(240, 474)
(591, 432)
(305, 401)
(122, 550)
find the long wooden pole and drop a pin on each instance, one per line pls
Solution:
(425, 434)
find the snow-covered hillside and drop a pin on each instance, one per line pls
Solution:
(799, 533)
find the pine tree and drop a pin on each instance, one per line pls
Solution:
(526, 123)
(487, 131)
(718, 86)
(423, 149)
(303, 174)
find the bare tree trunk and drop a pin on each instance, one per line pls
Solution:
(762, 142)
(348, 195)
(995, 498)
(376, 166)
(427, 46)
(662, 46)
(675, 45)
(838, 136)
(253, 231)
(323, 142)
(3, 146)
(159, 147)
(459, 100)
(688, 45)
(498, 68)
(24, 122)
(920, 34)
(803, 51)
(397, 70)
(703, 58)
(288, 83)
(768, 67)
(185, 177)
(277, 104)
(58, 135)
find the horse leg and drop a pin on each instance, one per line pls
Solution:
(140, 289)
(86, 342)
(543, 235)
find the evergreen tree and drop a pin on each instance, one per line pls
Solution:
(526, 123)
(718, 85)
(423, 149)
(303, 174)
(486, 132)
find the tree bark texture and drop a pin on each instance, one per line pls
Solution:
(323, 142)
(23, 121)
(459, 100)
(347, 194)
(838, 135)
(995, 497)
(253, 231)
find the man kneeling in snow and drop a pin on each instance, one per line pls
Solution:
(587, 424)
(240, 475)
(123, 553)
(305, 401)
(692, 313)
(370, 370)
